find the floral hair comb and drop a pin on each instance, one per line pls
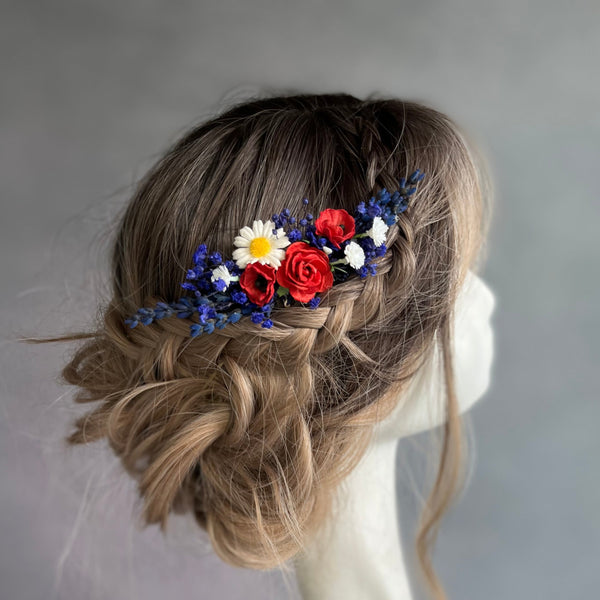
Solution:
(283, 260)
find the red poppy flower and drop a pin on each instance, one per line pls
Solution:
(337, 225)
(305, 271)
(258, 281)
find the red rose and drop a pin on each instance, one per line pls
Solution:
(258, 281)
(304, 271)
(336, 225)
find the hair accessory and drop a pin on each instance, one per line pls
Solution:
(282, 260)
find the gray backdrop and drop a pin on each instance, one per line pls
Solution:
(92, 92)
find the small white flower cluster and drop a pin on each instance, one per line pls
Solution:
(222, 272)
(355, 255)
(378, 231)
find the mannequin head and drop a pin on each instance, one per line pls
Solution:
(252, 429)
(422, 404)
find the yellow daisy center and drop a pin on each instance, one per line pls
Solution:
(259, 247)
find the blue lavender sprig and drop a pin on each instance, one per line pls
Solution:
(386, 205)
(208, 314)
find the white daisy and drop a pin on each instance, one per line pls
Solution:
(222, 272)
(378, 231)
(260, 244)
(355, 255)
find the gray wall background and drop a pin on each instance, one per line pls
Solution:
(92, 92)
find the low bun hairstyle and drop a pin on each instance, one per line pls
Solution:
(252, 429)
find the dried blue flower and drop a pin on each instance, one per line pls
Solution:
(219, 285)
(257, 317)
(239, 297)
(234, 317)
(314, 302)
(215, 259)
(200, 254)
(295, 235)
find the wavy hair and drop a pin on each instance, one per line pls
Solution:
(253, 429)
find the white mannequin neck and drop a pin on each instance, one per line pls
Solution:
(358, 554)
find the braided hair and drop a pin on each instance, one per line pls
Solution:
(252, 429)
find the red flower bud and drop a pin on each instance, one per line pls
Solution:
(337, 225)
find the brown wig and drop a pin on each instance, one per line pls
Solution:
(253, 429)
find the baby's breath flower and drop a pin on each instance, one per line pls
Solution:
(378, 231)
(355, 255)
(222, 272)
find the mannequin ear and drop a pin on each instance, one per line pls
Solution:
(422, 408)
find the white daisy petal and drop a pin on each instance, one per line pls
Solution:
(268, 229)
(241, 242)
(277, 254)
(257, 229)
(241, 257)
(246, 232)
